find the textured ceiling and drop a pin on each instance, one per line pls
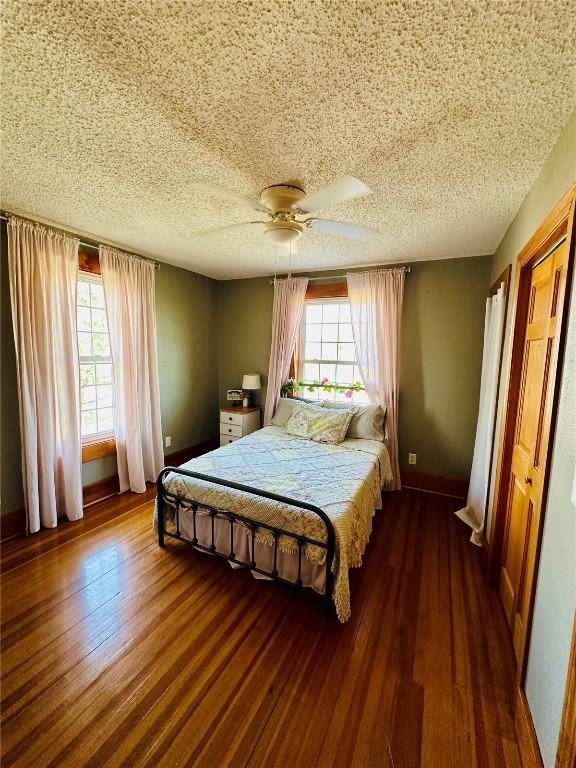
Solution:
(447, 110)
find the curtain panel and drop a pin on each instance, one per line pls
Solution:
(475, 510)
(130, 305)
(376, 308)
(43, 267)
(288, 303)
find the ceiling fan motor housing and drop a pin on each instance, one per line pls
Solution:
(281, 197)
(282, 201)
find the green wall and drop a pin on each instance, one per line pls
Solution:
(245, 309)
(187, 322)
(441, 356)
(555, 602)
(440, 364)
(12, 495)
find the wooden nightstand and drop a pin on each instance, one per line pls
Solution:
(237, 422)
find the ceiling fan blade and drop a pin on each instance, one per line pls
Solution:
(346, 188)
(356, 231)
(224, 228)
(227, 195)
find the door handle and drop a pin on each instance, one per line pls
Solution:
(528, 480)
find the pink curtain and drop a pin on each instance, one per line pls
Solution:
(43, 277)
(130, 305)
(376, 307)
(288, 302)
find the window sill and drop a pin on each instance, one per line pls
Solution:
(98, 448)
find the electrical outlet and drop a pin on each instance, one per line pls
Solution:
(411, 458)
(167, 441)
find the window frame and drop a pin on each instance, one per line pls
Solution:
(335, 292)
(101, 445)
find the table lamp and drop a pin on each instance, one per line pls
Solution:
(250, 382)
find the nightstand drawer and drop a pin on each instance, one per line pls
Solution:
(231, 418)
(227, 439)
(232, 430)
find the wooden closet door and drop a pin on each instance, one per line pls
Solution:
(531, 434)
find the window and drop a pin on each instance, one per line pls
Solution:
(96, 391)
(327, 352)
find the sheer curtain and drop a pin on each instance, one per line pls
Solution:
(376, 307)
(474, 512)
(43, 268)
(130, 305)
(288, 302)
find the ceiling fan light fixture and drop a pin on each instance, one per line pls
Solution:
(283, 232)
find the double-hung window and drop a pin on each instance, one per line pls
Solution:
(327, 358)
(96, 389)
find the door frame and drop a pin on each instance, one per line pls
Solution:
(558, 225)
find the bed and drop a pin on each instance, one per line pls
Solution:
(286, 507)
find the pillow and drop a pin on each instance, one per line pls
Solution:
(367, 420)
(285, 408)
(317, 424)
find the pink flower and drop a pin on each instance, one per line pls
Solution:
(349, 394)
(324, 381)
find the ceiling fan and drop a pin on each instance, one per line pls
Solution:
(288, 208)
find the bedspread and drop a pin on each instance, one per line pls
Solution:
(344, 480)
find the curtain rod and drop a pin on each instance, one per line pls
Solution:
(340, 277)
(86, 245)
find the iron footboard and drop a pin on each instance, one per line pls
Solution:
(163, 495)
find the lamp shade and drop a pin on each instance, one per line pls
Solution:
(251, 381)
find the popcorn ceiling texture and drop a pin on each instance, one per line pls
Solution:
(447, 110)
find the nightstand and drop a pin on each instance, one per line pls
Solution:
(237, 422)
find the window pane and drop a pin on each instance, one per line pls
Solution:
(328, 371)
(97, 295)
(101, 344)
(88, 395)
(330, 332)
(88, 423)
(105, 420)
(345, 312)
(104, 393)
(99, 320)
(86, 374)
(96, 390)
(346, 332)
(313, 313)
(103, 373)
(83, 294)
(83, 318)
(313, 332)
(345, 374)
(85, 344)
(313, 351)
(311, 372)
(329, 351)
(346, 352)
(330, 314)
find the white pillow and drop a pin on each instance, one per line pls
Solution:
(367, 421)
(318, 424)
(284, 410)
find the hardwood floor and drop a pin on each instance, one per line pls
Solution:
(118, 653)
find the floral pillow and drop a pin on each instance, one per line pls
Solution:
(319, 424)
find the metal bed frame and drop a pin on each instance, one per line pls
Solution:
(163, 496)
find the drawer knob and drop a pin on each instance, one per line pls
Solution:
(229, 418)
(229, 430)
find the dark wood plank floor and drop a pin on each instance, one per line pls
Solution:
(118, 653)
